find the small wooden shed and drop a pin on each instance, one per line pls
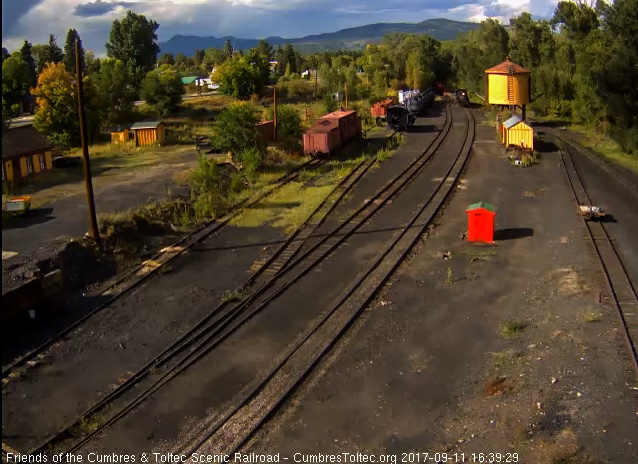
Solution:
(518, 133)
(119, 134)
(149, 132)
(480, 222)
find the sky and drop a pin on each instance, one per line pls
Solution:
(34, 20)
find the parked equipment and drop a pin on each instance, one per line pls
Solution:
(591, 212)
(17, 205)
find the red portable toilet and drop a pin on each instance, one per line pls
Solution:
(480, 222)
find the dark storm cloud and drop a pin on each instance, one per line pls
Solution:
(12, 11)
(98, 8)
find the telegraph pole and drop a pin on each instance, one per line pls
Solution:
(316, 78)
(345, 87)
(274, 93)
(85, 147)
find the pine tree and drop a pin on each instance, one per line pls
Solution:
(228, 50)
(55, 53)
(69, 51)
(27, 57)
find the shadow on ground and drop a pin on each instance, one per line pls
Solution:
(33, 217)
(513, 233)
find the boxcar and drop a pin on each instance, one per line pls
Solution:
(323, 138)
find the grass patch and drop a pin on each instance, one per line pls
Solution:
(449, 278)
(88, 425)
(478, 255)
(503, 359)
(592, 316)
(229, 296)
(287, 208)
(606, 148)
(511, 328)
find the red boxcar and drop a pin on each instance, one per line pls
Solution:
(378, 110)
(332, 131)
(322, 138)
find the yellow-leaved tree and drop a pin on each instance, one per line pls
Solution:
(56, 113)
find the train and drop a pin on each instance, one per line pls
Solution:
(332, 132)
(379, 110)
(462, 98)
(412, 104)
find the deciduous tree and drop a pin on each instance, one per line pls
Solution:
(162, 89)
(133, 40)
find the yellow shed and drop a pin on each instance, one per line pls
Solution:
(517, 132)
(508, 84)
(120, 134)
(149, 132)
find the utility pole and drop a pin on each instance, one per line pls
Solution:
(85, 147)
(274, 93)
(316, 78)
(346, 92)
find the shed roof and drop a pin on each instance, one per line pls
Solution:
(482, 205)
(511, 122)
(338, 114)
(146, 125)
(189, 79)
(505, 66)
(22, 141)
(118, 128)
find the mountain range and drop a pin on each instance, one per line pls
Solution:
(345, 39)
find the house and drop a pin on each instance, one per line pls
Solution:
(149, 132)
(25, 152)
(189, 80)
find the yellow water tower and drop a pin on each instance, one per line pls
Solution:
(508, 84)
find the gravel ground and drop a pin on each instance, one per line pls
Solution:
(124, 336)
(430, 367)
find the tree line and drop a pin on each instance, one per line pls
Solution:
(582, 61)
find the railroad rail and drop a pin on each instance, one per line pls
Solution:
(621, 289)
(233, 430)
(223, 321)
(123, 284)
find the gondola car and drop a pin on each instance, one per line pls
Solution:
(378, 110)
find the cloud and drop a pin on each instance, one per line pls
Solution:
(98, 8)
(35, 19)
(12, 11)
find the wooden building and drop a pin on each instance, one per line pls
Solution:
(518, 133)
(120, 134)
(508, 84)
(148, 133)
(25, 152)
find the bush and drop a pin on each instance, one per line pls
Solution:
(209, 188)
(288, 121)
(162, 89)
(251, 159)
(235, 129)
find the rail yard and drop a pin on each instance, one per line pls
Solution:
(374, 327)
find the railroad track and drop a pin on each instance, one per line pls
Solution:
(224, 320)
(229, 433)
(622, 291)
(108, 293)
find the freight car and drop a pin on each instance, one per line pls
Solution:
(399, 118)
(379, 110)
(331, 132)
